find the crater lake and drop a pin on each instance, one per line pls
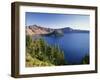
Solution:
(75, 45)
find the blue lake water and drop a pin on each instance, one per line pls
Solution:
(74, 45)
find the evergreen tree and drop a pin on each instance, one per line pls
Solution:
(43, 53)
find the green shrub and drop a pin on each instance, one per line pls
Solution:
(85, 60)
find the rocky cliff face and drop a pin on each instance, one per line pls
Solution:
(38, 30)
(34, 29)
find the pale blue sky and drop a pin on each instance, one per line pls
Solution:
(49, 20)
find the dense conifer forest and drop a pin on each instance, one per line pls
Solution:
(40, 53)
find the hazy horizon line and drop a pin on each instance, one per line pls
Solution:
(57, 28)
